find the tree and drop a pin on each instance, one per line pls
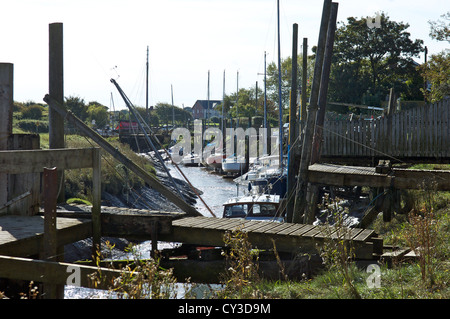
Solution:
(165, 112)
(77, 106)
(98, 113)
(370, 61)
(33, 111)
(440, 30)
(286, 78)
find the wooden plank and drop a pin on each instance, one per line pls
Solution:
(188, 221)
(33, 161)
(22, 236)
(312, 232)
(221, 222)
(135, 226)
(281, 227)
(302, 230)
(291, 229)
(55, 272)
(265, 226)
(251, 226)
(364, 235)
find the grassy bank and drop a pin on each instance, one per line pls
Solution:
(116, 178)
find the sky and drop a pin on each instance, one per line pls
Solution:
(186, 39)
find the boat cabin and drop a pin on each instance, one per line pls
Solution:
(256, 207)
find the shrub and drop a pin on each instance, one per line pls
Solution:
(32, 112)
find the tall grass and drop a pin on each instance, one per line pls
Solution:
(116, 177)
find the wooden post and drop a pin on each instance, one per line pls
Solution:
(293, 131)
(56, 91)
(304, 83)
(50, 179)
(318, 135)
(300, 197)
(6, 110)
(96, 200)
(313, 190)
(50, 241)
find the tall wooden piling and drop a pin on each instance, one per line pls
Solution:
(6, 110)
(293, 131)
(56, 91)
(302, 115)
(313, 190)
(300, 198)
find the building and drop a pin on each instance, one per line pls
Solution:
(203, 109)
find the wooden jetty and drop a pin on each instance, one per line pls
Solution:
(397, 178)
(288, 237)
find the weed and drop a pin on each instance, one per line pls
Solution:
(241, 276)
(336, 250)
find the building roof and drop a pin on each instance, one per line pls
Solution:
(212, 103)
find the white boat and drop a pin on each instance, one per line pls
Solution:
(215, 160)
(191, 160)
(265, 176)
(233, 164)
(262, 207)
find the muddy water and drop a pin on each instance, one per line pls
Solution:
(216, 189)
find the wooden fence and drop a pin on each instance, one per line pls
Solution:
(421, 132)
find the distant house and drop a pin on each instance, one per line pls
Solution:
(203, 109)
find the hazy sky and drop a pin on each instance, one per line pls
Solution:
(106, 39)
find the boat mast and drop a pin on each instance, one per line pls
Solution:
(146, 91)
(280, 108)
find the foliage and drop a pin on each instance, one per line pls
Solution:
(77, 106)
(167, 112)
(337, 253)
(146, 280)
(98, 113)
(32, 112)
(33, 126)
(241, 276)
(116, 178)
(286, 78)
(370, 61)
(440, 30)
(437, 72)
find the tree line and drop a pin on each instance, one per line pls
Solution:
(367, 63)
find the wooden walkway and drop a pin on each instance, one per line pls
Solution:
(293, 238)
(22, 236)
(338, 175)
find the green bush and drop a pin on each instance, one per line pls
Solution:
(33, 126)
(32, 112)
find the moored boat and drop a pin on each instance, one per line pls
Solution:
(262, 207)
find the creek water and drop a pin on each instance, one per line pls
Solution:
(214, 190)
